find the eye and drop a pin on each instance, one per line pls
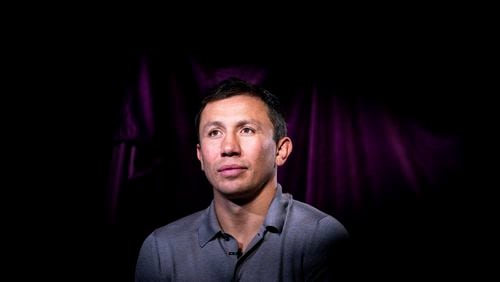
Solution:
(214, 133)
(247, 130)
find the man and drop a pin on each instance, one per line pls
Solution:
(251, 231)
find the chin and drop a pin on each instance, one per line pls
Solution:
(232, 192)
(238, 194)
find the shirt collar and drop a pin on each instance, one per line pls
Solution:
(274, 220)
(209, 227)
(276, 214)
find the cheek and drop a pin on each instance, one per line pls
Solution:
(208, 154)
(267, 152)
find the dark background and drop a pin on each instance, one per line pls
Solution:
(86, 72)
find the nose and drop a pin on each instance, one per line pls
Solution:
(230, 146)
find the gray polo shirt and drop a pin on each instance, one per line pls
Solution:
(297, 242)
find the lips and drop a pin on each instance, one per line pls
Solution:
(231, 170)
(230, 167)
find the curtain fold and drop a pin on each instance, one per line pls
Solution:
(389, 177)
(351, 153)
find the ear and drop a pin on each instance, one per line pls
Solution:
(284, 150)
(198, 154)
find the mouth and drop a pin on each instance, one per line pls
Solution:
(231, 170)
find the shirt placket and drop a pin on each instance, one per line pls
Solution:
(254, 244)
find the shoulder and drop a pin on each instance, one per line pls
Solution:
(311, 217)
(303, 211)
(180, 227)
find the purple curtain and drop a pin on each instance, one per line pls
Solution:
(387, 173)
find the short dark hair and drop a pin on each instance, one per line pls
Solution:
(233, 87)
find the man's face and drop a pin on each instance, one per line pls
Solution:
(237, 151)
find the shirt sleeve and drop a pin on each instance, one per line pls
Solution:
(148, 262)
(327, 257)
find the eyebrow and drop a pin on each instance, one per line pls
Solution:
(239, 124)
(212, 123)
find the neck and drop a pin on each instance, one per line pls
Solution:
(243, 221)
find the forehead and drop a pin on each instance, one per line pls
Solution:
(235, 106)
